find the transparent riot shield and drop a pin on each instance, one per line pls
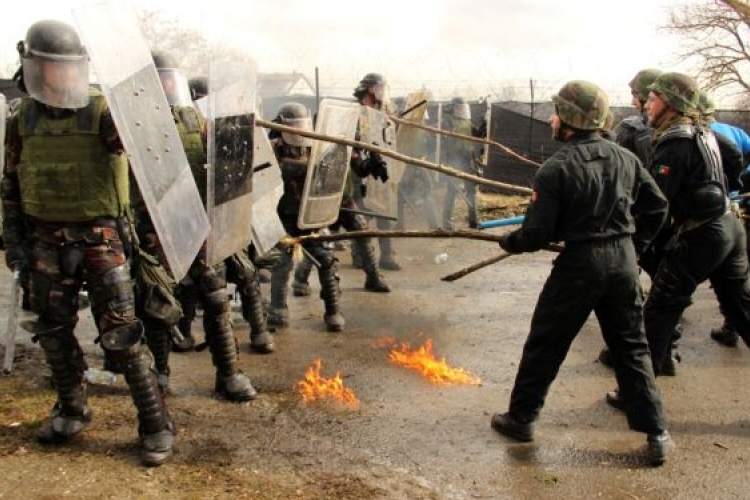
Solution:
(329, 164)
(268, 186)
(122, 61)
(4, 114)
(232, 93)
(375, 128)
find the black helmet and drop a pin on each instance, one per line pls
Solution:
(50, 39)
(198, 87)
(373, 83)
(459, 108)
(172, 80)
(163, 60)
(295, 115)
(54, 65)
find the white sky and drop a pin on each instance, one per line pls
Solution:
(475, 46)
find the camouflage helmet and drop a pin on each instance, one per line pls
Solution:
(678, 90)
(706, 104)
(641, 81)
(582, 105)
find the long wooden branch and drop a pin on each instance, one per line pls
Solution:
(396, 156)
(470, 138)
(409, 233)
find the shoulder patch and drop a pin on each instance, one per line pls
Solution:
(663, 170)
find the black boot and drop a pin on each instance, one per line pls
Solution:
(508, 426)
(231, 384)
(725, 335)
(329, 292)
(70, 415)
(374, 281)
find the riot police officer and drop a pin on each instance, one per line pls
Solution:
(209, 282)
(634, 132)
(589, 195)
(457, 153)
(65, 192)
(293, 152)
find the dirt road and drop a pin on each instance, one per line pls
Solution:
(408, 438)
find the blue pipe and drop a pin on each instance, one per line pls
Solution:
(510, 221)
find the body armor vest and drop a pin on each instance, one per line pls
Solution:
(190, 127)
(642, 135)
(66, 173)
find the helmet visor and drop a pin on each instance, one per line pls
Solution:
(462, 111)
(294, 139)
(56, 80)
(175, 87)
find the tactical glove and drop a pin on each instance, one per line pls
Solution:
(377, 167)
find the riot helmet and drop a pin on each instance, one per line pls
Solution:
(173, 81)
(582, 105)
(198, 87)
(375, 85)
(678, 90)
(294, 114)
(459, 108)
(55, 65)
(641, 81)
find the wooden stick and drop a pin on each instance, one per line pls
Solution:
(411, 233)
(396, 156)
(465, 137)
(479, 265)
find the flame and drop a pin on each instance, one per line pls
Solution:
(422, 360)
(315, 387)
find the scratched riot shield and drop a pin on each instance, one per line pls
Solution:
(328, 165)
(232, 93)
(124, 66)
(375, 128)
(268, 187)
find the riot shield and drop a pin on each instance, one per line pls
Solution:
(232, 92)
(4, 114)
(268, 186)
(329, 165)
(122, 61)
(375, 128)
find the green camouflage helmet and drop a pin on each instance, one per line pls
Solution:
(706, 104)
(678, 90)
(582, 105)
(641, 81)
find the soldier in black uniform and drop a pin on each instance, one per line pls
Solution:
(597, 198)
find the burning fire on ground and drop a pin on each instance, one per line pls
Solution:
(316, 387)
(422, 360)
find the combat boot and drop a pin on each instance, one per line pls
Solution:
(65, 423)
(335, 322)
(236, 388)
(606, 358)
(658, 446)
(389, 263)
(300, 289)
(388, 255)
(158, 446)
(508, 426)
(262, 342)
(726, 335)
(375, 283)
(278, 317)
(614, 399)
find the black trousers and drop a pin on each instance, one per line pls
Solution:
(599, 276)
(716, 252)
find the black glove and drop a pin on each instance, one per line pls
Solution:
(15, 257)
(506, 243)
(377, 167)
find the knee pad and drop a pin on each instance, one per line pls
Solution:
(114, 289)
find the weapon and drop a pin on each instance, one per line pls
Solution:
(10, 332)
(412, 108)
(369, 214)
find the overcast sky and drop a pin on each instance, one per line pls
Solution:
(483, 46)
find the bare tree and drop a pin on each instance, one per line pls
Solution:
(187, 45)
(716, 35)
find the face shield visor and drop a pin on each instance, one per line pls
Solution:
(294, 139)
(60, 81)
(462, 111)
(175, 87)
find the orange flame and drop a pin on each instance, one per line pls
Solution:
(315, 387)
(422, 360)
